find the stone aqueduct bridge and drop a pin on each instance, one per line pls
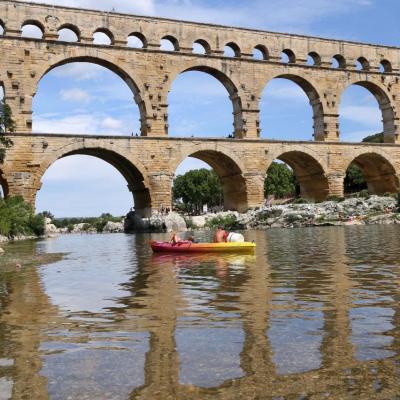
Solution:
(149, 162)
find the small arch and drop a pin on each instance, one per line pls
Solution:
(313, 59)
(2, 28)
(137, 40)
(362, 64)
(68, 33)
(169, 43)
(309, 173)
(260, 52)
(201, 46)
(103, 36)
(288, 56)
(338, 61)
(230, 174)
(32, 29)
(385, 66)
(231, 49)
(379, 173)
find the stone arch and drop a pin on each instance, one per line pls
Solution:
(263, 51)
(35, 23)
(139, 36)
(363, 64)
(231, 88)
(72, 28)
(290, 55)
(106, 32)
(386, 66)
(385, 105)
(309, 172)
(379, 172)
(133, 172)
(313, 97)
(2, 28)
(134, 85)
(230, 171)
(203, 43)
(315, 58)
(234, 48)
(173, 40)
(338, 61)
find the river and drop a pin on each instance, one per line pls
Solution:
(313, 314)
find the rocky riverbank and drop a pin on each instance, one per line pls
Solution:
(352, 211)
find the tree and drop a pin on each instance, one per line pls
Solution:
(280, 181)
(377, 138)
(6, 125)
(196, 188)
(354, 180)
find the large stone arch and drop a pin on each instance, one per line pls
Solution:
(310, 89)
(231, 87)
(133, 171)
(229, 169)
(383, 98)
(379, 172)
(135, 85)
(309, 171)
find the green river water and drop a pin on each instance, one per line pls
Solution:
(313, 314)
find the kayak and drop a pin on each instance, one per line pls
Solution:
(186, 246)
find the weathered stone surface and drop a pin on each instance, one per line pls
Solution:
(174, 223)
(113, 227)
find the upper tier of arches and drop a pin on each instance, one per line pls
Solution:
(238, 46)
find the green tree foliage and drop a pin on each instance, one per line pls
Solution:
(354, 180)
(196, 188)
(377, 138)
(6, 125)
(18, 218)
(280, 181)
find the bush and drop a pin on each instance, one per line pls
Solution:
(300, 200)
(363, 194)
(18, 218)
(228, 221)
(338, 199)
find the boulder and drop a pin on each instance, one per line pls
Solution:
(113, 227)
(199, 221)
(173, 222)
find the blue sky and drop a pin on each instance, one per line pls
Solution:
(84, 98)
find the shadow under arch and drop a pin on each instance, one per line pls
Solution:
(232, 91)
(378, 172)
(230, 174)
(310, 175)
(113, 68)
(313, 97)
(132, 174)
(385, 106)
(3, 185)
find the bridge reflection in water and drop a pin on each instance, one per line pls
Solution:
(314, 312)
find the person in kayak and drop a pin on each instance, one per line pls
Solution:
(223, 236)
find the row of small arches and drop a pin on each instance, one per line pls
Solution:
(102, 36)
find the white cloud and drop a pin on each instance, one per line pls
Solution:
(285, 15)
(365, 115)
(284, 90)
(75, 95)
(86, 124)
(79, 71)
(111, 123)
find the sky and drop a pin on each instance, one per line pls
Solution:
(88, 99)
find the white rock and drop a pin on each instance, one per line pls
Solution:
(113, 227)
(199, 221)
(174, 223)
